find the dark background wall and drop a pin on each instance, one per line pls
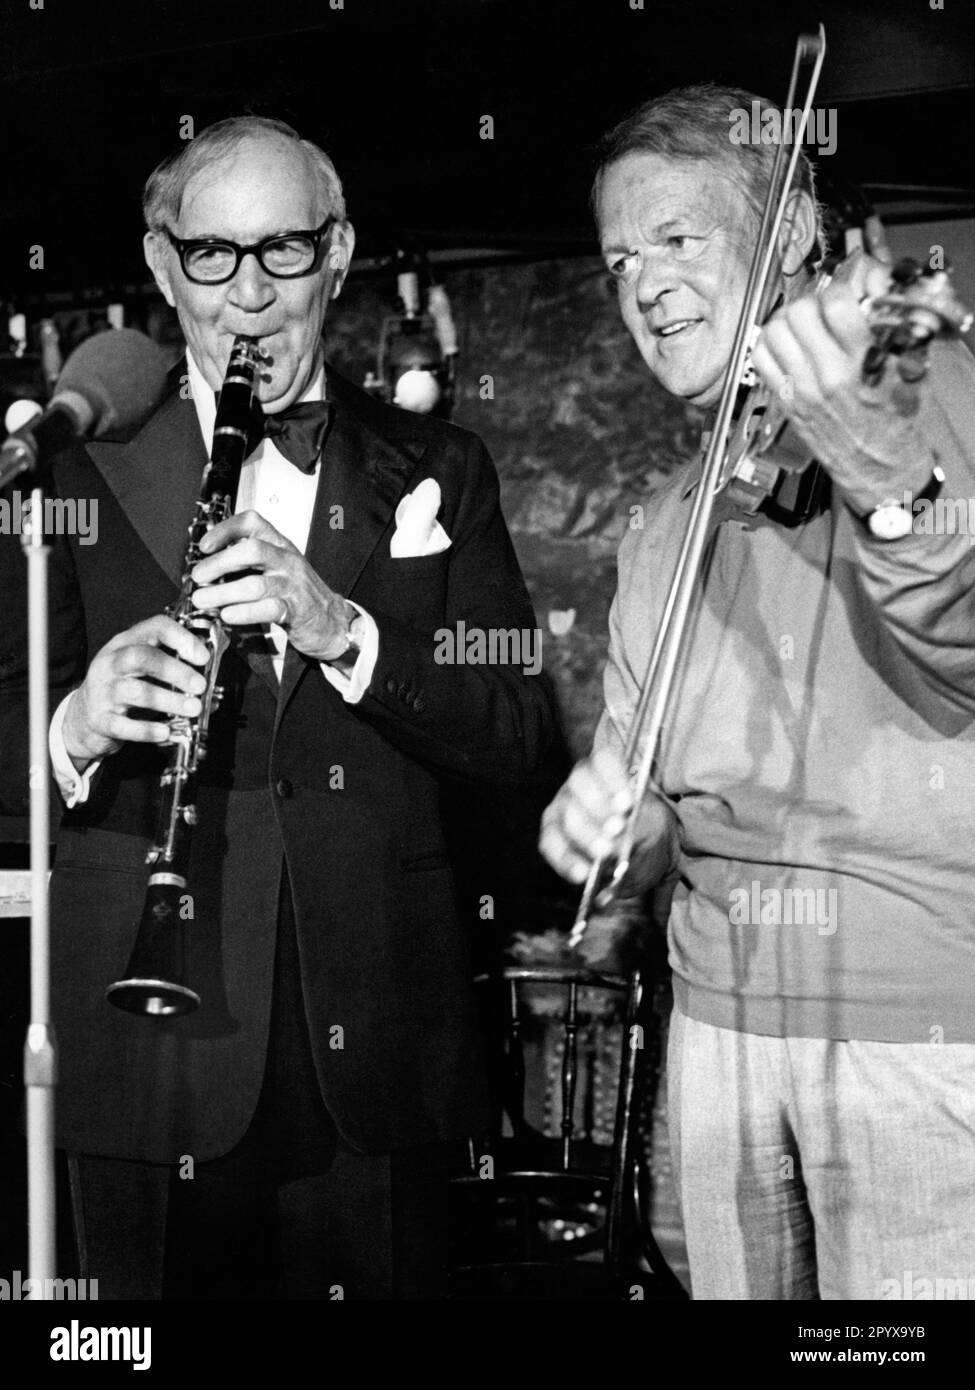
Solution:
(576, 427)
(94, 92)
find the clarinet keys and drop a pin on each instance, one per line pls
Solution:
(155, 983)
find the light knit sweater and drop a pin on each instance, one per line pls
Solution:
(821, 757)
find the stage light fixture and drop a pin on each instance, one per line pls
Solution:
(417, 355)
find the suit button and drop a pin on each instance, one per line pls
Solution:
(418, 705)
(391, 686)
(284, 789)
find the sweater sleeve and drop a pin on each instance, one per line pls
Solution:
(923, 584)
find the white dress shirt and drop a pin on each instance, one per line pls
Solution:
(284, 496)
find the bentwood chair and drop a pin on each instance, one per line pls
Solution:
(558, 1215)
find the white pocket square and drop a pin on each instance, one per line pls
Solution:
(418, 532)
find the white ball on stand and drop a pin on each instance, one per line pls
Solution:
(417, 390)
(19, 413)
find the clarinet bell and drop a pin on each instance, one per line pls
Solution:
(155, 984)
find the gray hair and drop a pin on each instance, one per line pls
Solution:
(694, 123)
(163, 196)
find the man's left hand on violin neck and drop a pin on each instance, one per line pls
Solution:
(811, 353)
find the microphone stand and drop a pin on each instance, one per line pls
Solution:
(80, 405)
(40, 1049)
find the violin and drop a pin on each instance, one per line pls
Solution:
(768, 467)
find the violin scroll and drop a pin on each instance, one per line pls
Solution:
(921, 305)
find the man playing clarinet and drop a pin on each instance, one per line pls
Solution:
(285, 1138)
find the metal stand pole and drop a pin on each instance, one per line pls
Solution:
(40, 1051)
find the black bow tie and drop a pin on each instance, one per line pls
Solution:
(298, 432)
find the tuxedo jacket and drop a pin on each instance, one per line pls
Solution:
(345, 799)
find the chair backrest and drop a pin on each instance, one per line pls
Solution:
(622, 996)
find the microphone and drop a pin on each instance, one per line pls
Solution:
(438, 307)
(408, 289)
(50, 352)
(110, 383)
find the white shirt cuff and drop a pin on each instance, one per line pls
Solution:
(73, 785)
(354, 684)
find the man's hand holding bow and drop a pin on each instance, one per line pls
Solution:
(268, 580)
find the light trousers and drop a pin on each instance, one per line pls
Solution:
(809, 1168)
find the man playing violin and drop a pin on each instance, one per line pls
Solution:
(812, 805)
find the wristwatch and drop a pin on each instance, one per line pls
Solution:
(893, 519)
(349, 654)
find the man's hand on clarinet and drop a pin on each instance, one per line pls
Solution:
(268, 580)
(587, 819)
(132, 688)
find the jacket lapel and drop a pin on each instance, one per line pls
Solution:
(155, 477)
(370, 455)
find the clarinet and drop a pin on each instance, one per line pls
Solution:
(155, 983)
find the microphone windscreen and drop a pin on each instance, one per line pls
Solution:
(121, 374)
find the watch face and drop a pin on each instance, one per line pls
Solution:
(890, 523)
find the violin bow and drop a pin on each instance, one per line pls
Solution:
(652, 705)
